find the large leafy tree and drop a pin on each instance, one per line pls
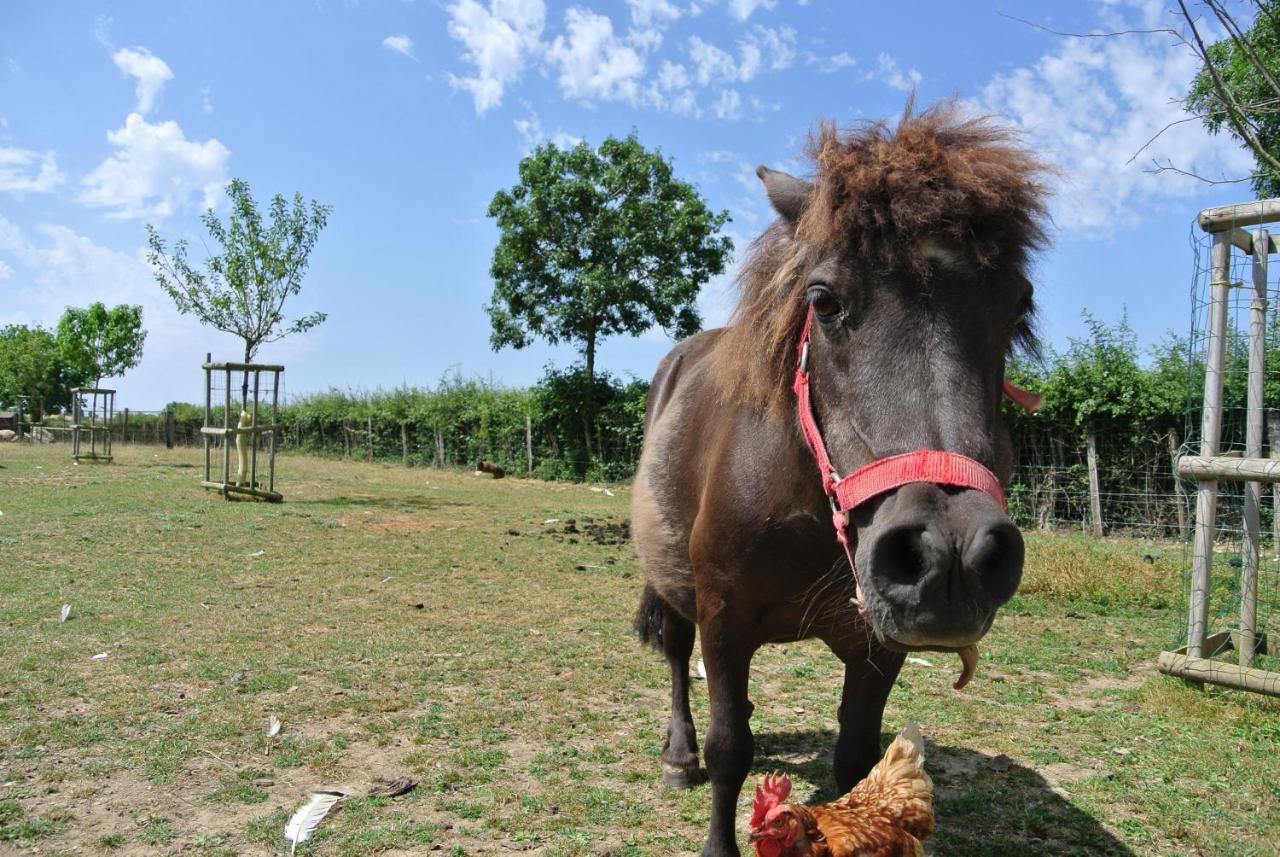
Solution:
(242, 290)
(30, 365)
(1238, 87)
(95, 342)
(597, 242)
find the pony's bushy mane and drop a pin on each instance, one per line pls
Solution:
(879, 193)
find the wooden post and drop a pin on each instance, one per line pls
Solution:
(208, 412)
(1245, 643)
(168, 428)
(275, 421)
(1210, 437)
(528, 441)
(226, 438)
(404, 444)
(1180, 493)
(369, 425)
(1273, 438)
(253, 438)
(1095, 491)
(439, 447)
(124, 430)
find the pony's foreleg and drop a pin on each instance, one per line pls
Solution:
(680, 751)
(868, 677)
(729, 745)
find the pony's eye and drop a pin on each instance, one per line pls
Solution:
(824, 303)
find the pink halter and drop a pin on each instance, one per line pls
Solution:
(885, 474)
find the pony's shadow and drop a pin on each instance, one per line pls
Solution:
(984, 804)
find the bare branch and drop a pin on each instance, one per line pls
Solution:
(1168, 167)
(1270, 105)
(1155, 30)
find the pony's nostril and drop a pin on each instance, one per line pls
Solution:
(994, 557)
(906, 554)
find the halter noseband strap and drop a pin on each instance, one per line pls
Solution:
(886, 474)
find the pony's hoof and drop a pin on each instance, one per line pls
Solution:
(678, 777)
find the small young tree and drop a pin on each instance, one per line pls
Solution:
(96, 342)
(596, 242)
(242, 290)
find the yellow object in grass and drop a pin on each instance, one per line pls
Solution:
(242, 450)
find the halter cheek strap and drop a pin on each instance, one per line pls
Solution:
(938, 467)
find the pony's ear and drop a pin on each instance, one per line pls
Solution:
(788, 194)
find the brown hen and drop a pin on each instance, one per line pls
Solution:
(888, 814)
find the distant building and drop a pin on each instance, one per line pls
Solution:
(8, 420)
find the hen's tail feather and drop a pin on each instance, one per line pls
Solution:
(898, 785)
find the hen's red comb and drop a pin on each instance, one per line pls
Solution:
(771, 791)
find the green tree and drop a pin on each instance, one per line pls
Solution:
(1238, 87)
(30, 365)
(597, 242)
(242, 290)
(95, 342)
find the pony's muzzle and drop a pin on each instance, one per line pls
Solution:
(939, 566)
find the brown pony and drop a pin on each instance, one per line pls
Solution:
(910, 247)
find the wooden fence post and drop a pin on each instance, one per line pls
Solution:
(369, 424)
(528, 440)
(1210, 438)
(439, 447)
(1273, 438)
(1095, 492)
(124, 431)
(168, 428)
(404, 444)
(1180, 501)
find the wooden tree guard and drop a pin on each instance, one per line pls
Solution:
(254, 433)
(1200, 659)
(91, 428)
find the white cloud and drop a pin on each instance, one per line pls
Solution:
(594, 64)
(649, 13)
(728, 105)
(772, 47)
(532, 134)
(712, 63)
(155, 170)
(893, 76)
(206, 100)
(672, 90)
(498, 41)
(401, 44)
(19, 172)
(742, 9)
(831, 64)
(151, 73)
(1089, 105)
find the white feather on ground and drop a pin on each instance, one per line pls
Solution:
(66, 613)
(308, 818)
(273, 726)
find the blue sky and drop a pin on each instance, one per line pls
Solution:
(407, 116)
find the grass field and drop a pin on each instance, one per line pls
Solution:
(424, 623)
